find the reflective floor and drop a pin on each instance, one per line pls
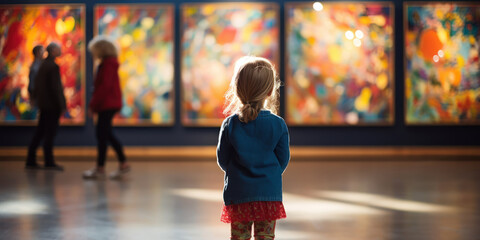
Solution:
(334, 200)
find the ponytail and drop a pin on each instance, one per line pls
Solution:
(249, 112)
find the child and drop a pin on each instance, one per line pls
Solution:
(106, 102)
(253, 150)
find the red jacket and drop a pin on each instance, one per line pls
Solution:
(107, 94)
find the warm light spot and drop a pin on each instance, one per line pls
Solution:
(339, 90)
(267, 40)
(349, 35)
(156, 117)
(210, 40)
(359, 34)
(374, 35)
(311, 40)
(329, 82)
(60, 27)
(334, 54)
(460, 61)
(302, 80)
(357, 42)
(382, 81)
(126, 40)
(140, 69)
(207, 10)
(107, 18)
(472, 40)
(139, 35)
(351, 118)
(239, 19)
(443, 35)
(318, 6)
(312, 105)
(147, 23)
(364, 20)
(23, 107)
(69, 24)
(450, 76)
(123, 20)
(362, 102)
(378, 20)
(436, 58)
(75, 112)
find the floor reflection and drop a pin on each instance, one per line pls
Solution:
(182, 200)
(22, 207)
(376, 200)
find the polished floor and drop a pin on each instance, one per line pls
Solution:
(331, 200)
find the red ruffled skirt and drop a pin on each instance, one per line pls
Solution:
(253, 211)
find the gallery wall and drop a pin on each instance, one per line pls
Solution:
(178, 132)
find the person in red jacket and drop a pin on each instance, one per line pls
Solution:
(106, 101)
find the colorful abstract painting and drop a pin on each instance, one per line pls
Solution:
(22, 27)
(339, 63)
(442, 79)
(215, 35)
(145, 37)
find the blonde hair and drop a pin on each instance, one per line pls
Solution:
(254, 86)
(102, 47)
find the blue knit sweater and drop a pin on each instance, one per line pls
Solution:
(253, 155)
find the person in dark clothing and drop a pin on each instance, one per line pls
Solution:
(37, 61)
(106, 101)
(50, 100)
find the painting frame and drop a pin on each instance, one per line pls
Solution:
(82, 61)
(169, 7)
(405, 66)
(391, 72)
(206, 123)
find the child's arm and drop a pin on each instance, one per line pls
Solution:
(282, 150)
(224, 148)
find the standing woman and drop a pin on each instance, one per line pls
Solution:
(106, 101)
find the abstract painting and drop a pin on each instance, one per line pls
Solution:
(214, 36)
(22, 27)
(144, 34)
(339, 63)
(442, 78)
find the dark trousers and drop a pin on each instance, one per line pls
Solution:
(46, 130)
(105, 134)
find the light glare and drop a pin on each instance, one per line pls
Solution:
(441, 53)
(357, 42)
(22, 207)
(385, 202)
(318, 6)
(359, 34)
(349, 35)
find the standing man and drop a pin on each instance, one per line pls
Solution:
(50, 100)
(37, 61)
